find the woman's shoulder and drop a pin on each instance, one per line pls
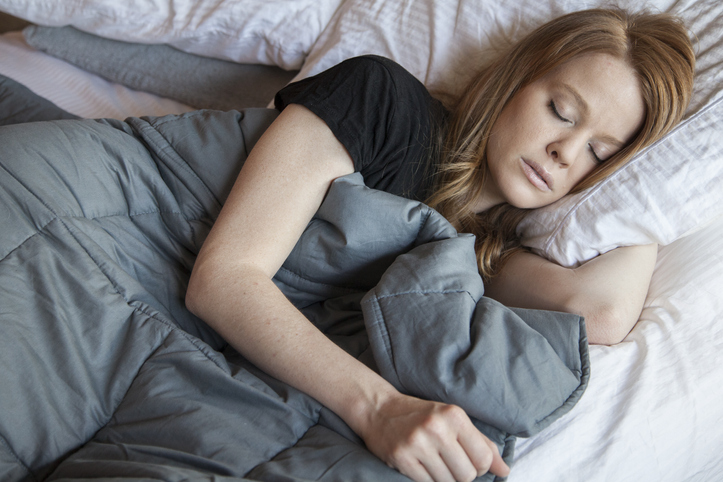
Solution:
(376, 64)
(367, 75)
(384, 116)
(385, 73)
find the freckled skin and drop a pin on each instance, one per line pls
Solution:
(555, 131)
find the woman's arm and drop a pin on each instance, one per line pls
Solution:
(280, 187)
(609, 290)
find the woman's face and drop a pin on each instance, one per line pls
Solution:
(556, 130)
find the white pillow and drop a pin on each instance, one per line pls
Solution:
(667, 191)
(272, 32)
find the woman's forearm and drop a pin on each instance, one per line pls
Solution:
(245, 307)
(407, 433)
(609, 290)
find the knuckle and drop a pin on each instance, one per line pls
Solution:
(434, 425)
(416, 437)
(455, 414)
(397, 458)
(468, 476)
(485, 461)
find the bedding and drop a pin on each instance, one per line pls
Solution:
(271, 32)
(116, 378)
(667, 191)
(21, 105)
(651, 410)
(434, 41)
(204, 82)
(74, 90)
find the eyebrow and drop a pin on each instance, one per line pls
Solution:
(585, 108)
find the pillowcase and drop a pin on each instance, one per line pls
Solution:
(667, 191)
(200, 82)
(272, 32)
(660, 196)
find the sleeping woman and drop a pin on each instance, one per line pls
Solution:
(561, 110)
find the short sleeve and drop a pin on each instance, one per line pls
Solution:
(382, 114)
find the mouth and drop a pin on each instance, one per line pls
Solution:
(537, 175)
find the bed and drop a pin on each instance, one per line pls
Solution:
(651, 404)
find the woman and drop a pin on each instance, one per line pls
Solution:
(564, 108)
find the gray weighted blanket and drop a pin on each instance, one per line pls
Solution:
(105, 374)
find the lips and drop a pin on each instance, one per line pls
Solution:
(537, 175)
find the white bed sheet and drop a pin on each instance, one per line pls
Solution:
(652, 410)
(75, 90)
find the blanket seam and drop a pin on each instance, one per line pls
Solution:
(39, 229)
(379, 315)
(21, 243)
(61, 219)
(349, 289)
(426, 292)
(162, 150)
(271, 458)
(10, 450)
(584, 378)
(134, 305)
(128, 215)
(43, 203)
(137, 306)
(56, 216)
(162, 154)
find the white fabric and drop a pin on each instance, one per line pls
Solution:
(439, 42)
(273, 32)
(668, 190)
(73, 89)
(652, 410)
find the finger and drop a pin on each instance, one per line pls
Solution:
(483, 453)
(498, 465)
(402, 460)
(437, 468)
(414, 470)
(458, 463)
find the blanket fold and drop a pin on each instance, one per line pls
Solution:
(105, 372)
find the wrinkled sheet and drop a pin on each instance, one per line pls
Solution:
(106, 374)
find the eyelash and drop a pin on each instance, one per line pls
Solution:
(553, 107)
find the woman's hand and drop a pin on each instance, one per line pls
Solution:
(430, 441)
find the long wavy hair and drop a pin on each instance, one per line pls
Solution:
(655, 45)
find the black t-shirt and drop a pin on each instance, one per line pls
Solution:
(382, 114)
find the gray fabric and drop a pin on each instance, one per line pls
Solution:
(104, 373)
(18, 104)
(201, 82)
(8, 23)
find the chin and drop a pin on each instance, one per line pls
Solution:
(526, 202)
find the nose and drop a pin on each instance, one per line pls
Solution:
(565, 150)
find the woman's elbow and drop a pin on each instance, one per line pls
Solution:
(609, 325)
(200, 289)
(194, 295)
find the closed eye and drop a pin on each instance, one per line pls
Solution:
(554, 110)
(592, 151)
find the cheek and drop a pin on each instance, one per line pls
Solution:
(503, 137)
(581, 171)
